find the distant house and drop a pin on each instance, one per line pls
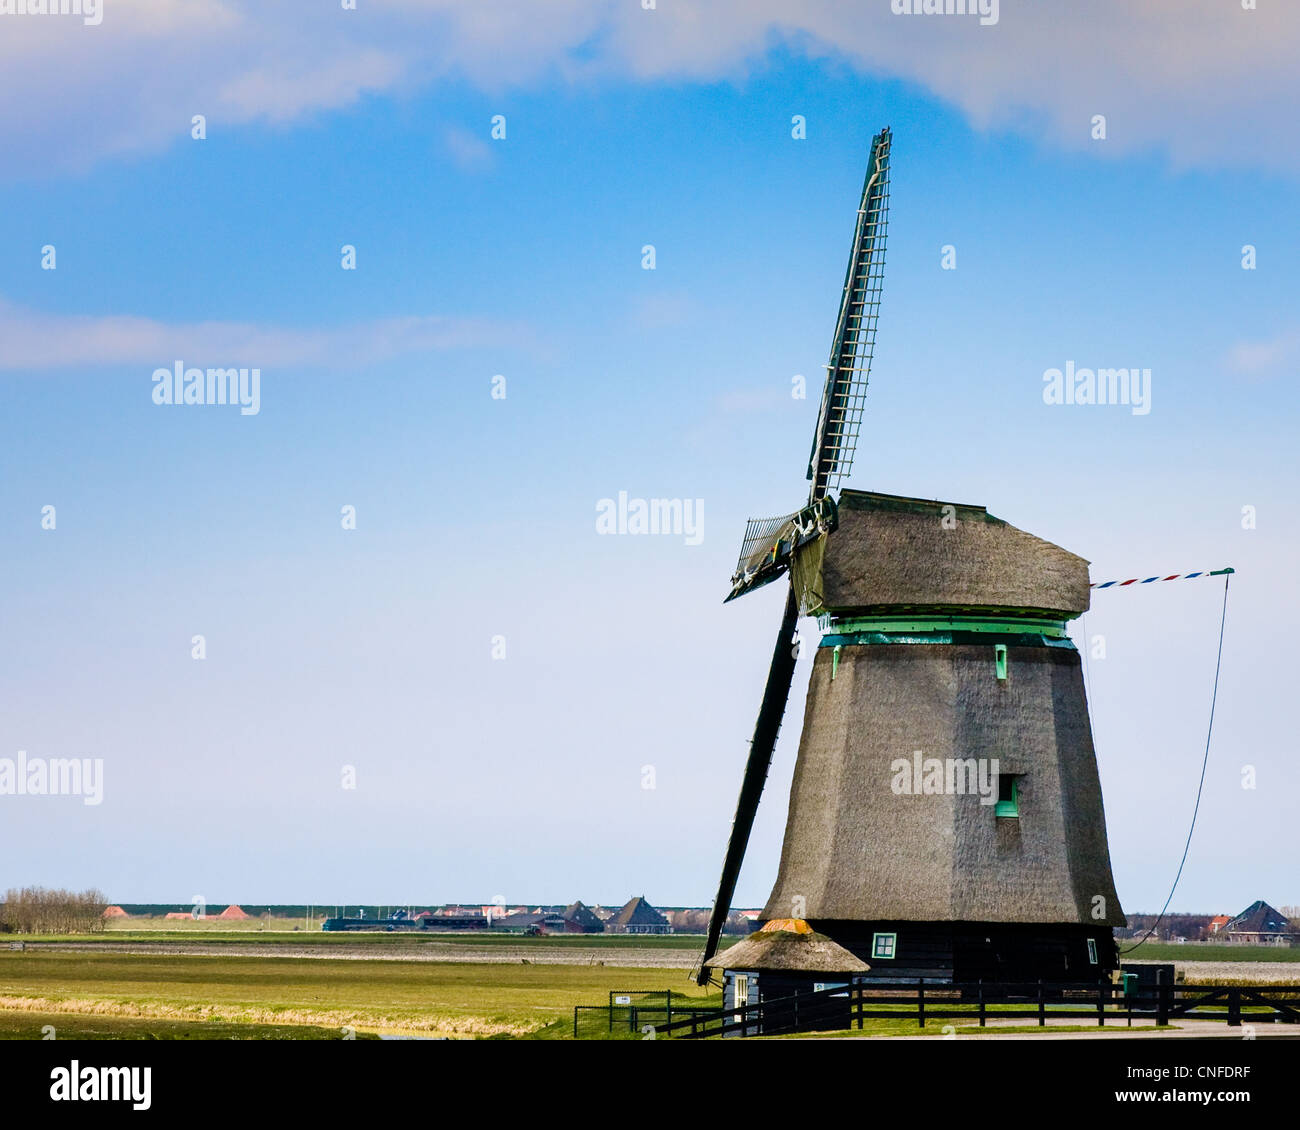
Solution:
(533, 922)
(179, 914)
(1218, 922)
(580, 919)
(232, 912)
(1259, 924)
(638, 917)
(115, 912)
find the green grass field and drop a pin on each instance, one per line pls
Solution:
(1163, 951)
(25, 1025)
(154, 995)
(417, 998)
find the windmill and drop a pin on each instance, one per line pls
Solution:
(945, 814)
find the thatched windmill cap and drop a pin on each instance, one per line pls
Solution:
(895, 552)
(789, 945)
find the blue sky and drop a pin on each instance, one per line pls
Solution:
(476, 517)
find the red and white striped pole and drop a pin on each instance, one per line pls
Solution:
(1172, 577)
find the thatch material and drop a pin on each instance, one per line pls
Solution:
(638, 912)
(578, 914)
(856, 850)
(893, 552)
(788, 951)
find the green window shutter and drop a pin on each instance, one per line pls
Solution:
(1008, 795)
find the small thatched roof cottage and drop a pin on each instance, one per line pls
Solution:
(789, 945)
(785, 957)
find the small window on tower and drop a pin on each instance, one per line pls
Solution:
(1092, 951)
(1008, 795)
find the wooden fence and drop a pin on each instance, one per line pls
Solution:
(654, 1016)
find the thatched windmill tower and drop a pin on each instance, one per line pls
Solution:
(945, 816)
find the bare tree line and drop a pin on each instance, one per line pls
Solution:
(36, 910)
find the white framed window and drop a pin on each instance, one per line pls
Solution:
(742, 990)
(1092, 951)
(883, 945)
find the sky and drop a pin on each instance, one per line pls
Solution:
(467, 695)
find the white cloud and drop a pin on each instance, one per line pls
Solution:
(1204, 81)
(32, 340)
(471, 154)
(1265, 358)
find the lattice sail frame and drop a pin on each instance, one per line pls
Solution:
(853, 347)
(770, 544)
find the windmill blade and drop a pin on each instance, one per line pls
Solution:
(844, 396)
(779, 678)
(771, 543)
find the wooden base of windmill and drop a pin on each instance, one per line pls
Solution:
(966, 952)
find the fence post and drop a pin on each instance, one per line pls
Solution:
(1101, 1004)
(1234, 1008)
(1042, 1009)
(1162, 1004)
(575, 1021)
(981, 988)
(920, 1003)
(670, 1007)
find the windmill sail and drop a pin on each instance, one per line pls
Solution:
(840, 418)
(766, 730)
(770, 544)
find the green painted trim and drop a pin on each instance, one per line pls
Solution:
(985, 625)
(1000, 660)
(1009, 807)
(871, 639)
(884, 947)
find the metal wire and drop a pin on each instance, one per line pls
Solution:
(1214, 697)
